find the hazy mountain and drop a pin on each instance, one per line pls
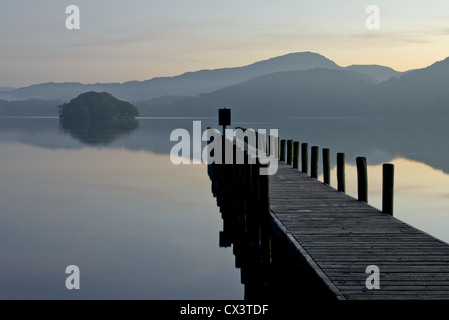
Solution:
(326, 92)
(146, 107)
(379, 73)
(190, 83)
(187, 84)
(298, 93)
(61, 91)
(30, 108)
(418, 92)
(6, 89)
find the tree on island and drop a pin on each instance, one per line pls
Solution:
(95, 105)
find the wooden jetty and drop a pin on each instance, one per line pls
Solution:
(336, 240)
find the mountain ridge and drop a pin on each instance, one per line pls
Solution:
(324, 92)
(187, 84)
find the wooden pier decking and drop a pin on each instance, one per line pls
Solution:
(334, 240)
(340, 236)
(335, 235)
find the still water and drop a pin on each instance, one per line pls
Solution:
(109, 200)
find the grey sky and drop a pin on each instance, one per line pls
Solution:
(137, 39)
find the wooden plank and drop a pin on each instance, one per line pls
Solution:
(341, 236)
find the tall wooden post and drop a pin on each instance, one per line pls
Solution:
(326, 166)
(282, 154)
(387, 188)
(290, 152)
(296, 145)
(224, 119)
(264, 191)
(314, 162)
(341, 183)
(362, 179)
(305, 158)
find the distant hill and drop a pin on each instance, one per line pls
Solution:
(418, 92)
(326, 92)
(187, 84)
(318, 87)
(379, 73)
(294, 93)
(6, 89)
(29, 108)
(95, 105)
(146, 107)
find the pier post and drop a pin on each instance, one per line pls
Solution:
(264, 221)
(362, 179)
(387, 188)
(305, 158)
(314, 162)
(264, 191)
(326, 166)
(282, 154)
(341, 184)
(290, 152)
(296, 145)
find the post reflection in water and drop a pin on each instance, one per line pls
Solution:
(268, 270)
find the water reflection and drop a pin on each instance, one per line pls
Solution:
(380, 140)
(63, 204)
(98, 132)
(269, 271)
(137, 226)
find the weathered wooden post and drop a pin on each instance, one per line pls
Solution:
(224, 119)
(326, 166)
(209, 166)
(257, 139)
(341, 184)
(290, 152)
(387, 188)
(296, 145)
(362, 179)
(250, 184)
(234, 183)
(305, 158)
(314, 162)
(264, 191)
(282, 154)
(264, 221)
(269, 144)
(254, 182)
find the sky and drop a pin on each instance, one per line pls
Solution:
(120, 41)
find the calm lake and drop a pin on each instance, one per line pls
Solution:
(107, 199)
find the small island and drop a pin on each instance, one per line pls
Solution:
(96, 105)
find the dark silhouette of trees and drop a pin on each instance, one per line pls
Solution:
(95, 105)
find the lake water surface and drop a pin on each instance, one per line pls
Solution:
(109, 200)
